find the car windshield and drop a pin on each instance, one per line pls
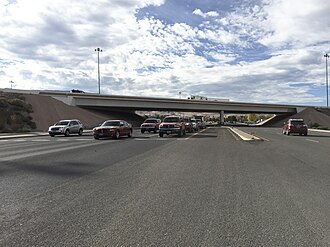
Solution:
(171, 120)
(62, 123)
(111, 123)
(151, 121)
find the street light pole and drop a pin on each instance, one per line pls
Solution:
(326, 77)
(98, 67)
(11, 84)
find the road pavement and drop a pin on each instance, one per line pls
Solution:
(204, 189)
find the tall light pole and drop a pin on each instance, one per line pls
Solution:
(98, 67)
(326, 77)
(11, 84)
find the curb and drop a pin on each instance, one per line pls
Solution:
(243, 135)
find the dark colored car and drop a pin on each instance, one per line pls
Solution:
(189, 125)
(113, 129)
(66, 127)
(297, 126)
(150, 124)
(172, 125)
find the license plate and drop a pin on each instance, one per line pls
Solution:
(168, 132)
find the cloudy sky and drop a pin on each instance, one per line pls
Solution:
(268, 51)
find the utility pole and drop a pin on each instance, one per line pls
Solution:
(98, 67)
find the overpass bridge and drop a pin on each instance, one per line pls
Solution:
(134, 103)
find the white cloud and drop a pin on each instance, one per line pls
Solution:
(205, 15)
(243, 55)
(297, 23)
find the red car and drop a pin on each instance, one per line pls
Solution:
(172, 125)
(150, 124)
(295, 126)
(113, 129)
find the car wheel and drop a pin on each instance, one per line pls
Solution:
(161, 134)
(116, 135)
(155, 130)
(52, 135)
(130, 133)
(80, 132)
(180, 133)
(287, 132)
(96, 137)
(67, 133)
(142, 131)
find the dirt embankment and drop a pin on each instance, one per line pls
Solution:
(47, 111)
(312, 117)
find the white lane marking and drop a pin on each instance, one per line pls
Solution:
(236, 137)
(43, 152)
(310, 140)
(262, 138)
(194, 134)
(149, 139)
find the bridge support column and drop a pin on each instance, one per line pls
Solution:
(222, 117)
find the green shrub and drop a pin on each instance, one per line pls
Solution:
(315, 125)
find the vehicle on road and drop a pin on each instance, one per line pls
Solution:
(66, 127)
(297, 126)
(172, 125)
(194, 124)
(189, 125)
(150, 124)
(113, 129)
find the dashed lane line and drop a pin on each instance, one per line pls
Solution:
(310, 140)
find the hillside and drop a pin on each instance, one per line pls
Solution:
(312, 117)
(15, 113)
(47, 111)
(33, 112)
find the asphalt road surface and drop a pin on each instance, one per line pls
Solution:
(204, 189)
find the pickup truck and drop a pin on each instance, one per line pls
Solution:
(150, 124)
(172, 125)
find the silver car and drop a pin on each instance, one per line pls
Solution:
(66, 127)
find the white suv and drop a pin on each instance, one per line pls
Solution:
(66, 127)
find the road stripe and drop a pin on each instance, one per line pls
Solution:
(310, 140)
(235, 136)
(48, 151)
(195, 134)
